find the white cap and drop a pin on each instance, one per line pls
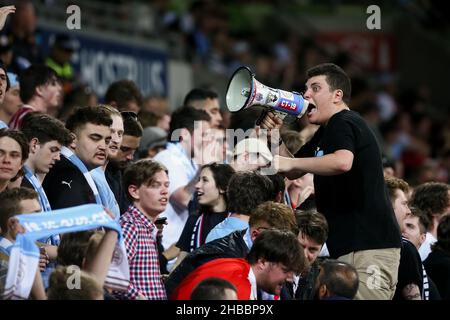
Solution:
(253, 145)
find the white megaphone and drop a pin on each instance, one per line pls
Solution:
(244, 91)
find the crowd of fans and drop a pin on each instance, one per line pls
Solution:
(194, 214)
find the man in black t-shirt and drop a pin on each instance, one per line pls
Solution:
(349, 186)
(410, 284)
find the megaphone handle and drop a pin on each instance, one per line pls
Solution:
(279, 114)
(261, 117)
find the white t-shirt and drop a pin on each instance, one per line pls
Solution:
(181, 171)
(254, 288)
(425, 248)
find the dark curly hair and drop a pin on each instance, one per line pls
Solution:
(313, 224)
(431, 198)
(443, 235)
(247, 190)
(267, 246)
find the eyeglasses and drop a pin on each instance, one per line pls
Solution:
(129, 115)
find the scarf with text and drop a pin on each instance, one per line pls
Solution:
(24, 258)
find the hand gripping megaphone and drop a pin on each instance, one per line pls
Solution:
(245, 91)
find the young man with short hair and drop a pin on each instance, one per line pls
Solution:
(345, 158)
(4, 87)
(246, 190)
(147, 184)
(433, 198)
(40, 90)
(266, 216)
(415, 227)
(267, 267)
(411, 279)
(107, 196)
(313, 232)
(188, 128)
(46, 136)
(11, 102)
(13, 201)
(13, 153)
(124, 95)
(207, 100)
(69, 183)
(118, 161)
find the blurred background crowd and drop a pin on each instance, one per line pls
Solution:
(168, 47)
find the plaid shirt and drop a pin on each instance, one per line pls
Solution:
(140, 242)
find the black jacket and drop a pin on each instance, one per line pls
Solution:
(66, 186)
(231, 246)
(306, 286)
(114, 178)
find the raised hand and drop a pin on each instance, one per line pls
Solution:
(4, 12)
(271, 121)
(43, 259)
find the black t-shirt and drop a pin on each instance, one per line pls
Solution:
(356, 203)
(437, 265)
(197, 228)
(66, 186)
(410, 269)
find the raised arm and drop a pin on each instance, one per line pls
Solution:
(4, 12)
(331, 164)
(272, 122)
(99, 265)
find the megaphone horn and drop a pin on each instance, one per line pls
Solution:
(245, 91)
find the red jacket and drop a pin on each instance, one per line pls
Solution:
(233, 270)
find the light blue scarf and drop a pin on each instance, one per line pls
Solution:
(24, 258)
(43, 200)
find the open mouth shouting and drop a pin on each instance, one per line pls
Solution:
(311, 110)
